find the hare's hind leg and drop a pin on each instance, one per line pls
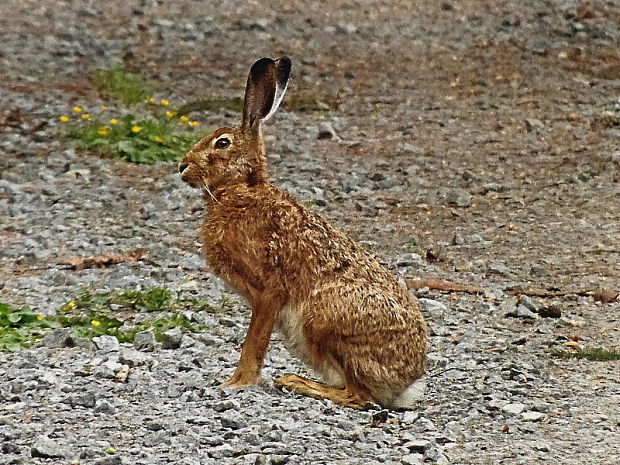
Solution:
(344, 397)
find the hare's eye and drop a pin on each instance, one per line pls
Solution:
(222, 143)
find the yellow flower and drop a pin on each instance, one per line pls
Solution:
(86, 116)
(103, 131)
(77, 109)
(40, 317)
(165, 102)
(170, 114)
(136, 128)
(104, 107)
(150, 100)
(158, 139)
(95, 323)
(184, 118)
(64, 119)
(70, 306)
(194, 123)
(113, 121)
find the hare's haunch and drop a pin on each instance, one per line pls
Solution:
(338, 309)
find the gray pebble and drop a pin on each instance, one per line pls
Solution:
(412, 459)
(104, 406)
(514, 408)
(532, 416)
(144, 341)
(133, 357)
(61, 337)
(459, 198)
(107, 343)
(46, 447)
(172, 339)
(86, 399)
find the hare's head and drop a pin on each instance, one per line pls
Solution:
(232, 155)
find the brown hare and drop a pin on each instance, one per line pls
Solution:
(337, 308)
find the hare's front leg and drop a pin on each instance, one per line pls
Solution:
(264, 313)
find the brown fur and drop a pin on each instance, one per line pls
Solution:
(342, 312)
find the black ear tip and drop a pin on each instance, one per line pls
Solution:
(261, 66)
(283, 66)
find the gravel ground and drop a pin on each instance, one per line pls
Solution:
(486, 132)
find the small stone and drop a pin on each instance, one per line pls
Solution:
(412, 459)
(521, 312)
(107, 343)
(61, 337)
(418, 445)
(233, 420)
(108, 369)
(457, 239)
(532, 416)
(529, 303)
(45, 447)
(104, 406)
(407, 148)
(144, 341)
(538, 271)
(122, 374)
(226, 405)
(459, 198)
(534, 124)
(433, 307)
(542, 446)
(223, 451)
(172, 339)
(550, 311)
(447, 6)
(514, 408)
(133, 357)
(424, 424)
(86, 400)
(410, 417)
(326, 131)
(499, 268)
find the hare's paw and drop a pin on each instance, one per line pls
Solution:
(238, 380)
(343, 397)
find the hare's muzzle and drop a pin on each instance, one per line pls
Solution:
(183, 167)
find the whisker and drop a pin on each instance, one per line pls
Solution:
(209, 192)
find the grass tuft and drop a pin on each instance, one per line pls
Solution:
(118, 84)
(594, 354)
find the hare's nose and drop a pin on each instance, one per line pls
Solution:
(183, 167)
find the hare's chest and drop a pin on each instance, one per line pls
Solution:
(291, 326)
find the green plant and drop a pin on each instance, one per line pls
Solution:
(116, 83)
(146, 140)
(19, 327)
(122, 314)
(147, 132)
(594, 354)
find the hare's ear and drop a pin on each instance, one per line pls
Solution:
(264, 91)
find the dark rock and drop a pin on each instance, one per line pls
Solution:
(61, 337)
(550, 311)
(144, 341)
(172, 339)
